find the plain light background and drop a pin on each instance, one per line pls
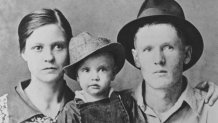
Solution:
(103, 18)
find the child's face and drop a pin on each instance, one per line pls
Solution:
(96, 73)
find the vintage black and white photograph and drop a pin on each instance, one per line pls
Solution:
(108, 61)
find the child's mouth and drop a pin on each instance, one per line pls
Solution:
(96, 86)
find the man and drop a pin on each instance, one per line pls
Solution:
(163, 45)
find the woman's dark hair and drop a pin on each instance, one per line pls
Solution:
(40, 18)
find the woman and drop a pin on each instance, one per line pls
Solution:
(44, 36)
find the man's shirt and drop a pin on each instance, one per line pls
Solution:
(189, 108)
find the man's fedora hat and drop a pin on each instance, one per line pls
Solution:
(168, 11)
(84, 45)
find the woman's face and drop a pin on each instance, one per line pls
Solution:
(46, 53)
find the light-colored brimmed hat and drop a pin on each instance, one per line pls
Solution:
(84, 45)
(168, 11)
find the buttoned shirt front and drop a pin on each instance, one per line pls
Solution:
(189, 108)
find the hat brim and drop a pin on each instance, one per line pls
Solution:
(116, 49)
(193, 36)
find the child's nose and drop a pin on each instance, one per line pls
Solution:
(95, 76)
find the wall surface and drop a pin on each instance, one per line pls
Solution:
(103, 18)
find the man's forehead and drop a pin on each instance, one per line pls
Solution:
(158, 33)
(154, 28)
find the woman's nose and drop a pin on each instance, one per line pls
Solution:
(48, 56)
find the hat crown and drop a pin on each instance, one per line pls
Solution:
(160, 7)
(83, 44)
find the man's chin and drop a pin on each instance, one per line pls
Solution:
(160, 83)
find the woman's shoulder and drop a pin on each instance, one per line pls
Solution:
(3, 98)
(3, 109)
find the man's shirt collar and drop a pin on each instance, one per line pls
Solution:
(187, 96)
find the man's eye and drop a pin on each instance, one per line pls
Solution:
(147, 49)
(37, 48)
(58, 47)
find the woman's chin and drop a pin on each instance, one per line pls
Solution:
(50, 77)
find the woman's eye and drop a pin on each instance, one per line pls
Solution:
(37, 48)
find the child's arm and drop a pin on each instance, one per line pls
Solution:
(70, 113)
(211, 89)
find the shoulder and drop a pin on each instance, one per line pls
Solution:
(15, 101)
(3, 99)
(71, 105)
(70, 113)
(127, 93)
(71, 108)
(205, 108)
(199, 94)
(3, 109)
(211, 112)
(126, 98)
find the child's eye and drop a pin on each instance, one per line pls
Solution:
(37, 48)
(168, 47)
(85, 70)
(102, 69)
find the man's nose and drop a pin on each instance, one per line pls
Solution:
(159, 58)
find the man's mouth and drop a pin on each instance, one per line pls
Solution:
(160, 72)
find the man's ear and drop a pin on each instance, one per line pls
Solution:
(77, 78)
(188, 54)
(136, 59)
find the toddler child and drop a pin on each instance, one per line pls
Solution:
(94, 63)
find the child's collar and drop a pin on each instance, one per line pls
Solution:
(80, 95)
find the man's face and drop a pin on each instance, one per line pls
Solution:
(160, 55)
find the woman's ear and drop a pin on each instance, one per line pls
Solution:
(24, 56)
(188, 54)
